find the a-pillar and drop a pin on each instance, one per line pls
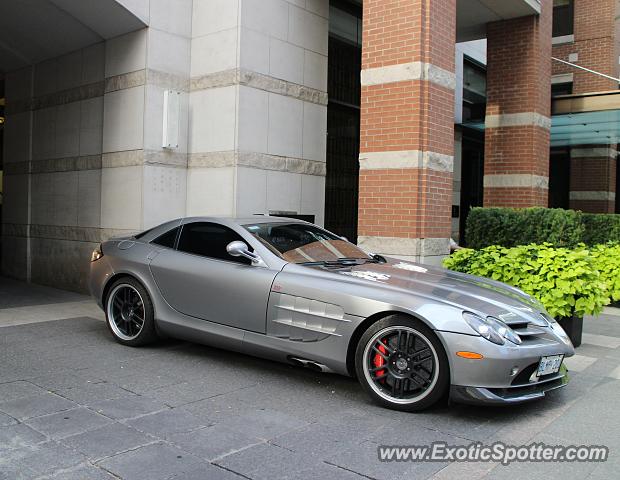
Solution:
(407, 128)
(517, 133)
(593, 179)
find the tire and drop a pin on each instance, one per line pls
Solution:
(129, 313)
(410, 372)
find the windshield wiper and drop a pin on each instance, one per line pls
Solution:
(344, 261)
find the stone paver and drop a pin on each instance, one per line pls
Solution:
(167, 422)
(127, 408)
(152, 462)
(69, 422)
(74, 405)
(19, 436)
(601, 340)
(578, 363)
(107, 441)
(211, 443)
(24, 408)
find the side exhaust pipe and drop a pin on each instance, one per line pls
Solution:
(312, 365)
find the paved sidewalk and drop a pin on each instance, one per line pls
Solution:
(74, 405)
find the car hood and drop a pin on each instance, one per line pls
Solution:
(468, 292)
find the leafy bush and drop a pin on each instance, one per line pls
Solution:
(567, 282)
(510, 227)
(606, 260)
(600, 228)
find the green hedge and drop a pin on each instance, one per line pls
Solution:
(566, 281)
(510, 227)
(600, 228)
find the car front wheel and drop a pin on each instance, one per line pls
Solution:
(401, 363)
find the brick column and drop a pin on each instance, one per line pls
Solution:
(593, 179)
(516, 171)
(407, 127)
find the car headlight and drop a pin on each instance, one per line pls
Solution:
(492, 329)
(504, 330)
(97, 254)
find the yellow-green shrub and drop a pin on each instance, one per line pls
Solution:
(566, 281)
(607, 261)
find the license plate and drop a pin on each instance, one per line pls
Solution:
(549, 365)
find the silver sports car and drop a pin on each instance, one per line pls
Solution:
(291, 291)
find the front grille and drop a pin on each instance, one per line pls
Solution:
(526, 378)
(545, 385)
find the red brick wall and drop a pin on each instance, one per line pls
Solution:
(404, 116)
(593, 206)
(408, 203)
(517, 150)
(402, 31)
(596, 46)
(518, 61)
(515, 197)
(397, 116)
(595, 174)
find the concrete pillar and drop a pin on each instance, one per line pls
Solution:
(518, 123)
(142, 183)
(407, 127)
(84, 158)
(593, 179)
(258, 106)
(51, 213)
(16, 178)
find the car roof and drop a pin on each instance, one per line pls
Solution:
(151, 234)
(244, 220)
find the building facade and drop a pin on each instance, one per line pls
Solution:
(383, 120)
(586, 33)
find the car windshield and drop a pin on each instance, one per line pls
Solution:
(305, 243)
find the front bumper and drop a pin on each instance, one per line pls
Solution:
(511, 395)
(506, 373)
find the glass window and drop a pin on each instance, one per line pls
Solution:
(209, 240)
(563, 17)
(301, 243)
(345, 24)
(474, 91)
(565, 88)
(167, 239)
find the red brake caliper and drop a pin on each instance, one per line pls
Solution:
(379, 361)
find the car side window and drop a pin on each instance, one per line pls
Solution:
(167, 239)
(209, 240)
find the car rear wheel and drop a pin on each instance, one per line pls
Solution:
(401, 363)
(129, 313)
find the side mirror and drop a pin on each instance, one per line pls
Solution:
(240, 249)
